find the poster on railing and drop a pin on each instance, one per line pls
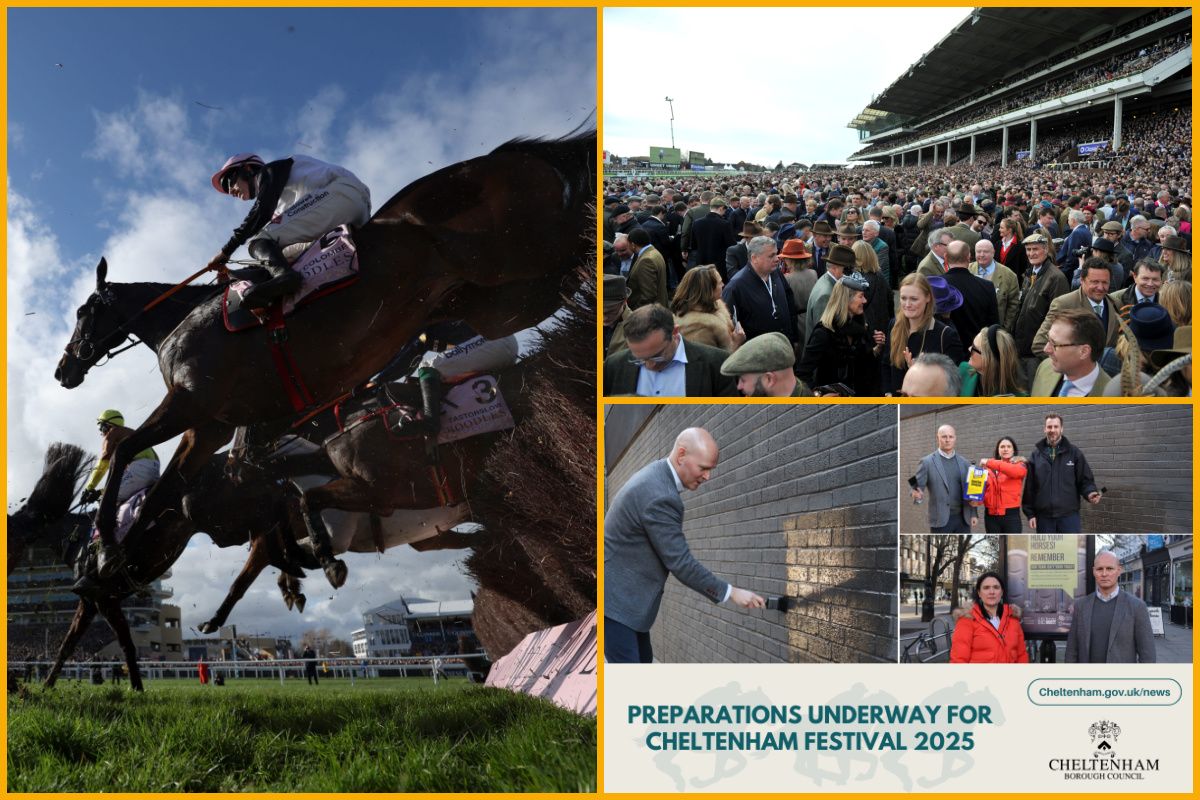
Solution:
(1090, 147)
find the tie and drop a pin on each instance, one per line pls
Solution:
(1067, 386)
(1098, 309)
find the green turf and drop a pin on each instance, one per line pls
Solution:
(380, 735)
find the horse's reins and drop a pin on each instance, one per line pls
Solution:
(106, 299)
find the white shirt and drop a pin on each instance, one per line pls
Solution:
(1083, 386)
(944, 455)
(675, 475)
(668, 382)
(1110, 598)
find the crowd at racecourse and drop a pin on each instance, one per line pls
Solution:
(968, 280)
(1127, 62)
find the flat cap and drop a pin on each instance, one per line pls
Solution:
(768, 352)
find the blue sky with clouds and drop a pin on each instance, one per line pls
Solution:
(110, 155)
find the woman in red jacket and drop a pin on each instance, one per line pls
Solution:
(989, 632)
(1002, 494)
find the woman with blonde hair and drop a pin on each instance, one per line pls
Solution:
(880, 300)
(916, 330)
(992, 368)
(1177, 257)
(1176, 298)
(699, 312)
(840, 349)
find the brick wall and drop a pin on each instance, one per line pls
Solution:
(1142, 453)
(802, 503)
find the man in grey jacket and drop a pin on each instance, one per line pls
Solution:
(945, 473)
(1110, 626)
(644, 541)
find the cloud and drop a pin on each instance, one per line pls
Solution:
(161, 221)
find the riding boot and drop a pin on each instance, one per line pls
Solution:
(85, 584)
(429, 422)
(284, 280)
(110, 560)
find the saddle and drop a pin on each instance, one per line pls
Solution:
(471, 405)
(329, 264)
(126, 515)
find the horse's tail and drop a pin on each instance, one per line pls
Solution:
(574, 158)
(54, 493)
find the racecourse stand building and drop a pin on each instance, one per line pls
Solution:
(416, 627)
(41, 607)
(1052, 85)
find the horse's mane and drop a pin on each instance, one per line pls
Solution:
(64, 468)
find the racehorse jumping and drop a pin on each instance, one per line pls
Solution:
(227, 514)
(461, 243)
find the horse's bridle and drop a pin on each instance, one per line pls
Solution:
(98, 298)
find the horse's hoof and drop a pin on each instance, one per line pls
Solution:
(300, 601)
(336, 573)
(289, 602)
(208, 627)
(111, 559)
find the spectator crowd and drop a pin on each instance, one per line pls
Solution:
(968, 280)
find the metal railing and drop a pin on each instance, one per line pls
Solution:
(352, 668)
(927, 647)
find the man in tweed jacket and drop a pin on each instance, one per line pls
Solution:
(644, 541)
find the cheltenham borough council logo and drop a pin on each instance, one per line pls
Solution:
(1103, 763)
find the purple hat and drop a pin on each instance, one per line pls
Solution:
(945, 296)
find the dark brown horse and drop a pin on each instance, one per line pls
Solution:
(495, 240)
(227, 514)
(385, 473)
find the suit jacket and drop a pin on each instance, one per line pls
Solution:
(963, 233)
(703, 376)
(979, 308)
(689, 219)
(648, 279)
(643, 543)
(1130, 639)
(660, 237)
(746, 295)
(711, 236)
(1037, 292)
(1077, 300)
(1048, 383)
(818, 298)
(736, 257)
(1124, 298)
(1016, 260)
(737, 218)
(895, 257)
(932, 474)
(930, 267)
(1008, 291)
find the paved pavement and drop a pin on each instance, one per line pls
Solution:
(1174, 648)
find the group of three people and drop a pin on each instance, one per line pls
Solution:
(1047, 486)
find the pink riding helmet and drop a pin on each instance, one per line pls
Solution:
(240, 158)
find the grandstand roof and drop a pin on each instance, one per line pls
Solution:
(984, 47)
